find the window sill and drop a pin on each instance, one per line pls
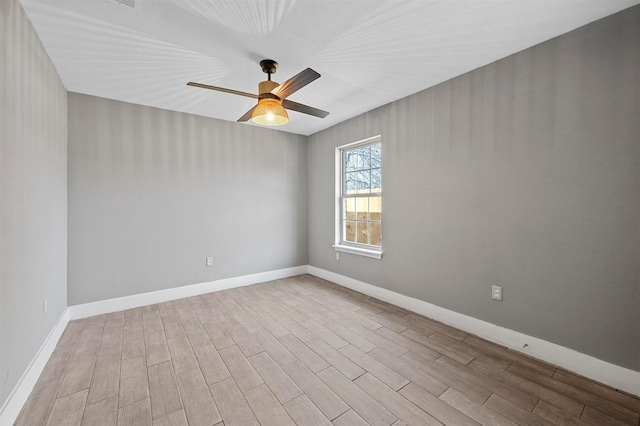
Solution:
(375, 254)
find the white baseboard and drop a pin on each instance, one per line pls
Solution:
(569, 359)
(128, 302)
(18, 397)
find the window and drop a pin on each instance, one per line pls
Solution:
(359, 198)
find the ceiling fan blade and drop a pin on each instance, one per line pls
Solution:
(295, 83)
(247, 115)
(222, 89)
(305, 109)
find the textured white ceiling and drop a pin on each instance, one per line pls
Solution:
(368, 52)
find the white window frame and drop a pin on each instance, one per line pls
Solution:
(347, 246)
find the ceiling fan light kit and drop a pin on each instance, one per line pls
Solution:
(272, 102)
(269, 111)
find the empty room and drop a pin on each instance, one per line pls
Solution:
(318, 212)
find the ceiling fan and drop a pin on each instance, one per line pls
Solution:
(272, 97)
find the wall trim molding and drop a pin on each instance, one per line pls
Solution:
(143, 299)
(20, 393)
(585, 365)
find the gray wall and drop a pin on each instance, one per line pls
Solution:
(523, 173)
(152, 193)
(33, 194)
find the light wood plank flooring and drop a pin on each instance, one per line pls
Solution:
(301, 351)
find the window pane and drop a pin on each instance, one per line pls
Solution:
(350, 183)
(376, 154)
(374, 233)
(362, 208)
(349, 208)
(376, 180)
(364, 182)
(350, 231)
(375, 208)
(363, 232)
(364, 158)
(350, 160)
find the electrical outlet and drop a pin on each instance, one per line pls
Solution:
(496, 292)
(209, 261)
(338, 256)
(45, 306)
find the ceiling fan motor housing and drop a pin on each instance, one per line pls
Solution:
(265, 88)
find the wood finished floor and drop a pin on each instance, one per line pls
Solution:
(301, 351)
